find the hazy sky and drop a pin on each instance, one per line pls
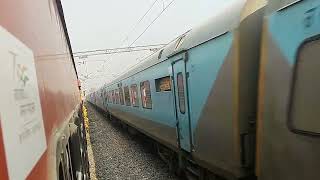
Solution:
(101, 24)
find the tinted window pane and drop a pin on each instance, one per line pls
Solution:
(163, 84)
(117, 96)
(127, 96)
(106, 95)
(113, 97)
(134, 95)
(110, 97)
(146, 94)
(121, 96)
(180, 84)
(305, 105)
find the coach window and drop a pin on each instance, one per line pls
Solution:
(113, 97)
(146, 95)
(106, 96)
(121, 96)
(163, 84)
(127, 96)
(134, 95)
(304, 109)
(110, 97)
(117, 96)
(181, 96)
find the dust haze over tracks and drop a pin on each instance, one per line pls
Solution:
(118, 155)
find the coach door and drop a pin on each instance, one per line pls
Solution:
(181, 102)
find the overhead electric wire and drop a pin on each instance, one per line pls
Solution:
(142, 32)
(116, 52)
(110, 49)
(144, 15)
(97, 71)
(104, 61)
(134, 65)
(152, 23)
(140, 35)
(132, 29)
(104, 50)
(127, 69)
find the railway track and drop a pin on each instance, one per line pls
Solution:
(119, 155)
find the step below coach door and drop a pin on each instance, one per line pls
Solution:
(181, 101)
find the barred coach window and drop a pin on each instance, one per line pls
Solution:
(146, 94)
(113, 97)
(134, 95)
(163, 84)
(106, 95)
(180, 84)
(304, 110)
(121, 96)
(117, 96)
(127, 96)
(110, 95)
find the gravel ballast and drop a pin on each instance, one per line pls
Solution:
(119, 155)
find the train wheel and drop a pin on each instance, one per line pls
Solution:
(65, 168)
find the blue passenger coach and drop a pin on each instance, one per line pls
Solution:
(252, 70)
(187, 96)
(289, 99)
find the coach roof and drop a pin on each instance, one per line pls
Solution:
(227, 19)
